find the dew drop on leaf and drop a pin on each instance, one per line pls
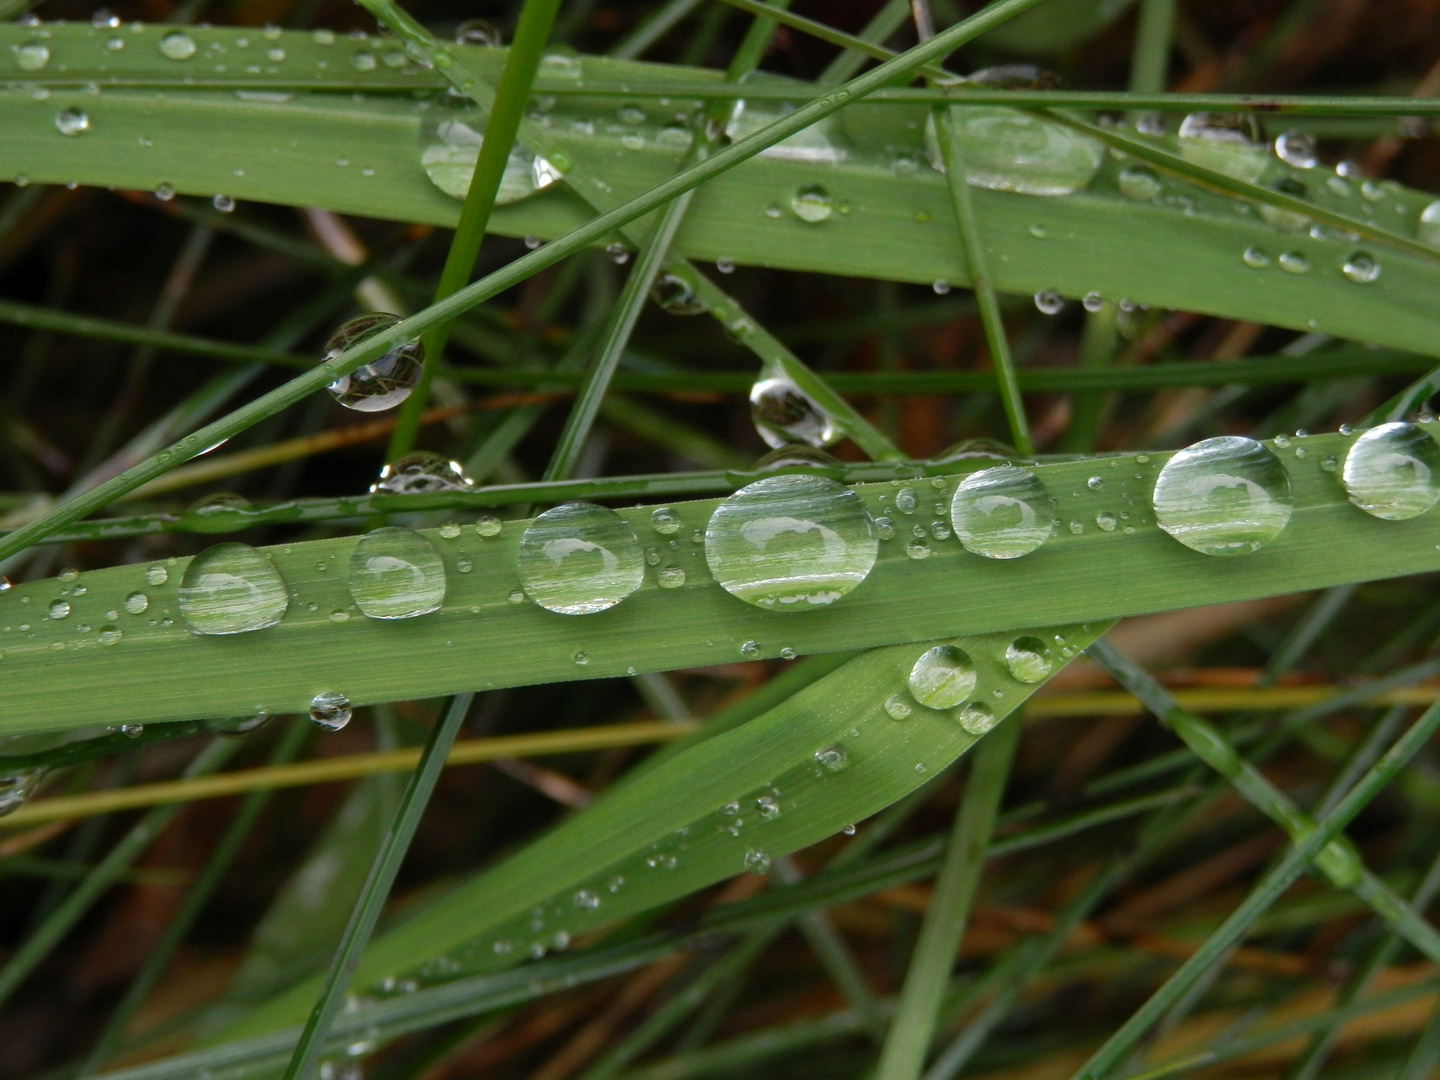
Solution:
(395, 573)
(579, 558)
(232, 589)
(385, 381)
(1224, 496)
(1392, 472)
(1002, 513)
(330, 710)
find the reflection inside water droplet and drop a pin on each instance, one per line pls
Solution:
(784, 414)
(396, 573)
(232, 589)
(330, 710)
(579, 558)
(1002, 513)
(385, 381)
(942, 677)
(1393, 472)
(1224, 496)
(1028, 659)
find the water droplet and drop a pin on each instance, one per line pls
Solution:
(812, 203)
(223, 203)
(671, 577)
(833, 757)
(793, 542)
(68, 575)
(756, 861)
(478, 32)
(1330, 463)
(452, 129)
(976, 718)
(72, 121)
(177, 45)
(580, 558)
(767, 807)
(157, 575)
(1049, 302)
(1297, 149)
(330, 710)
(581, 658)
(1427, 230)
(896, 707)
(1092, 301)
(1256, 258)
(488, 526)
(1392, 472)
(585, 900)
(1028, 659)
(1224, 496)
(917, 549)
(942, 677)
(1226, 142)
(1105, 520)
(1007, 150)
(16, 788)
(420, 472)
(110, 635)
(516, 596)
(1095, 483)
(1361, 268)
(725, 265)
(231, 589)
(385, 381)
(59, 609)
(674, 294)
(784, 414)
(1294, 262)
(32, 56)
(395, 573)
(164, 192)
(1002, 513)
(750, 650)
(1139, 182)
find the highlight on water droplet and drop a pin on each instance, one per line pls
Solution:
(833, 757)
(896, 707)
(385, 381)
(812, 203)
(1297, 149)
(1224, 496)
(579, 558)
(791, 543)
(942, 677)
(330, 710)
(32, 56)
(1226, 142)
(72, 121)
(420, 472)
(1392, 472)
(395, 573)
(177, 45)
(232, 589)
(1002, 513)
(1361, 267)
(452, 129)
(1028, 659)
(784, 414)
(757, 861)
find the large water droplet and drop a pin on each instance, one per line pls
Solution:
(231, 589)
(384, 382)
(812, 203)
(1007, 150)
(820, 142)
(783, 414)
(942, 677)
(451, 131)
(1028, 659)
(1223, 496)
(32, 56)
(1229, 143)
(1002, 513)
(396, 574)
(72, 121)
(788, 543)
(977, 718)
(1393, 472)
(330, 710)
(177, 45)
(422, 472)
(580, 558)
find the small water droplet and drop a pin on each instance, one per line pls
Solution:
(942, 677)
(109, 635)
(1002, 513)
(725, 265)
(579, 558)
(833, 757)
(1092, 301)
(395, 573)
(1226, 142)
(917, 549)
(674, 294)
(132, 731)
(59, 609)
(767, 807)
(1297, 149)
(1105, 520)
(385, 381)
(1095, 483)
(1392, 472)
(330, 710)
(177, 45)
(223, 203)
(1049, 302)
(1294, 262)
(976, 718)
(478, 32)
(756, 861)
(420, 472)
(1330, 463)
(896, 707)
(1028, 659)
(812, 203)
(791, 542)
(72, 121)
(1256, 258)
(581, 658)
(671, 577)
(750, 650)
(785, 414)
(940, 286)
(231, 589)
(157, 575)
(585, 900)
(1224, 496)
(1361, 268)
(1139, 182)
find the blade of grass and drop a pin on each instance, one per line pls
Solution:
(908, 1042)
(652, 28)
(522, 61)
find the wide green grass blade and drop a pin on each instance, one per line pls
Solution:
(828, 756)
(482, 638)
(1182, 250)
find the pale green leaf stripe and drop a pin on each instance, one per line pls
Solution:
(481, 639)
(898, 225)
(678, 817)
